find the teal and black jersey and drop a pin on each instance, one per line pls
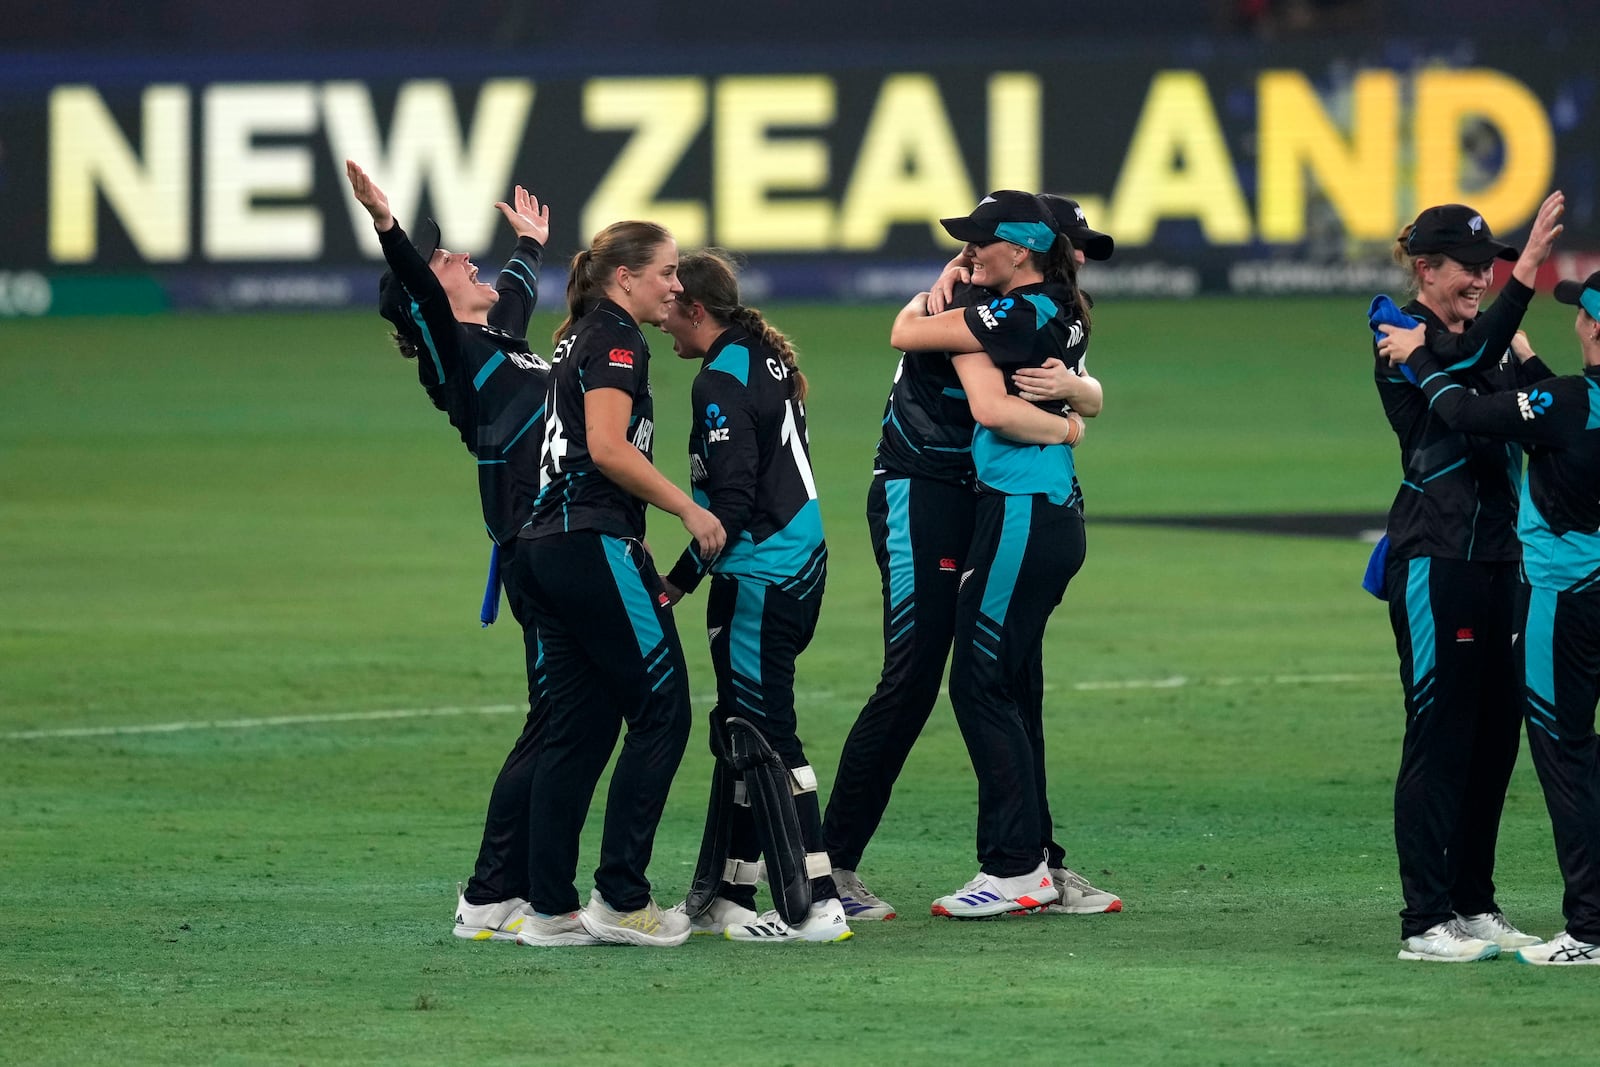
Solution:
(1558, 419)
(1458, 492)
(1024, 328)
(750, 465)
(927, 425)
(483, 377)
(604, 350)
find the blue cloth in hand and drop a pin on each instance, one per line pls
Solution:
(1372, 581)
(1384, 312)
(491, 591)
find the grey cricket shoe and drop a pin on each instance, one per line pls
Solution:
(649, 925)
(858, 901)
(554, 931)
(1078, 897)
(1492, 926)
(1447, 942)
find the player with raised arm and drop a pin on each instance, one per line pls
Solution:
(470, 343)
(1557, 620)
(1450, 580)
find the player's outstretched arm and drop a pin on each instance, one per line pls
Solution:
(369, 196)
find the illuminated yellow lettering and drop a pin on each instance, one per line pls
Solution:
(88, 154)
(1358, 175)
(1178, 167)
(238, 171)
(748, 165)
(1015, 104)
(1445, 100)
(665, 115)
(463, 173)
(909, 168)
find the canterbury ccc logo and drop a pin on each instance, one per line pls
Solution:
(621, 357)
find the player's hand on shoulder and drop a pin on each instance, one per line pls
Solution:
(1398, 344)
(957, 272)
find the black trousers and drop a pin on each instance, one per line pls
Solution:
(757, 632)
(1452, 623)
(1561, 660)
(1025, 550)
(611, 655)
(501, 872)
(921, 532)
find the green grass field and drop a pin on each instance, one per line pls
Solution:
(207, 522)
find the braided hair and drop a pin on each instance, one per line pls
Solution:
(708, 277)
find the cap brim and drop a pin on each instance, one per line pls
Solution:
(1480, 252)
(966, 230)
(1569, 292)
(426, 239)
(1095, 245)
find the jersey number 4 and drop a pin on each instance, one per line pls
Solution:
(552, 450)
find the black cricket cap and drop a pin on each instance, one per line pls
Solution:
(1075, 228)
(394, 303)
(1006, 215)
(1457, 231)
(1584, 294)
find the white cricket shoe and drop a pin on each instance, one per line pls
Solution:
(1562, 950)
(988, 895)
(858, 901)
(717, 918)
(1492, 926)
(825, 924)
(554, 931)
(1447, 942)
(499, 921)
(648, 925)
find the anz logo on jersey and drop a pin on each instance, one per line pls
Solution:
(1533, 403)
(991, 313)
(716, 424)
